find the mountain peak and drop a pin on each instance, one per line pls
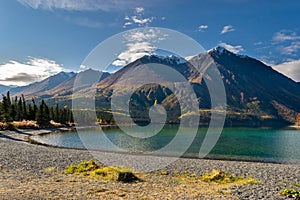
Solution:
(220, 50)
(171, 58)
(65, 74)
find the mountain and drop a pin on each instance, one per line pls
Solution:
(66, 87)
(4, 89)
(57, 88)
(256, 89)
(39, 89)
(256, 94)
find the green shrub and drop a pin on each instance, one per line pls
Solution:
(90, 168)
(126, 177)
(84, 166)
(291, 193)
(219, 176)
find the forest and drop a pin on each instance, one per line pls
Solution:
(17, 109)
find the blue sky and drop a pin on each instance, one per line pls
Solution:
(39, 38)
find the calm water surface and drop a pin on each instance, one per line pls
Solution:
(255, 144)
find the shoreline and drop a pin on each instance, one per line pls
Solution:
(26, 135)
(21, 160)
(209, 157)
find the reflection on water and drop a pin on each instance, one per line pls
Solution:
(269, 145)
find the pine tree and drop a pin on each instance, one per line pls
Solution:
(13, 112)
(1, 112)
(24, 107)
(16, 109)
(30, 113)
(56, 114)
(8, 98)
(35, 108)
(52, 115)
(5, 115)
(20, 115)
(43, 115)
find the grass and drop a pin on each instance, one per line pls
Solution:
(92, 169)
(296, 184)
(6, 126)
(89, 180)
(219, 176)
(210, 184)
(291, 193)
(172, 184)
(27, 124)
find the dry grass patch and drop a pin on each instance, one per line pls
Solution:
(6, 126)
(25, 124)
(162, 184)
(91, 168)
(291, 193)
(219, 176)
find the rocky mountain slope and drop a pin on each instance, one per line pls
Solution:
(256, 94)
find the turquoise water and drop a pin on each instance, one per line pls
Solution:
(253, 144)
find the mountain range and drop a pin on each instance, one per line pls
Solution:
(256, 94)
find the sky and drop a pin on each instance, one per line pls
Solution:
(39, 38)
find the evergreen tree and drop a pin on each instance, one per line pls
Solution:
(8, 98)
(24, 107)
(30, 115)
(20, 115)
(1, 111)
(43, 115)
(16, 109)
(56, 114)
(5, 115)
(52, 114)
(13, 112)
(35, 108)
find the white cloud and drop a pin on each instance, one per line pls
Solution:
(139, 44)
(141, 21)
(137, 19)
(35, 69)
(201, 28)
(285, 35)
(291, 49)
(80, 5)
(226, 29)
(233, 49)
(127, 24)
(139, 9)
(290, 69)
(287, 42)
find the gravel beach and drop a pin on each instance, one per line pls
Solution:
(30, 171)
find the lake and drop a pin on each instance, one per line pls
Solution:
(248, 144)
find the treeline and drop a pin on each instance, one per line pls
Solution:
(16, 109)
